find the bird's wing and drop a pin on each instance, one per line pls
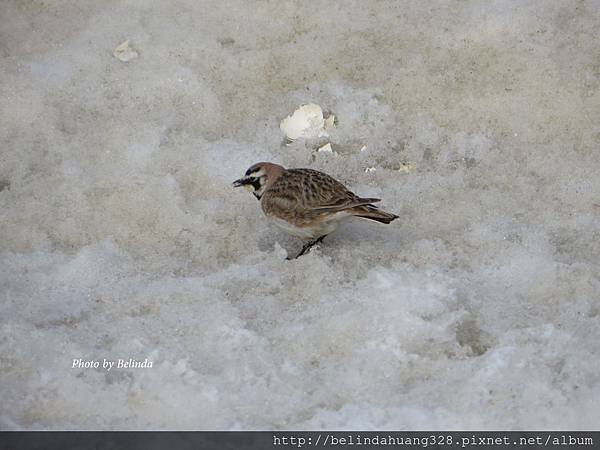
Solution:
(302, 191)
(320, 192)
(345, 203)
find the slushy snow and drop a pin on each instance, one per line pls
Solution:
(121, 236)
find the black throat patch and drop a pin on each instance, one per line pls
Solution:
(256, 184)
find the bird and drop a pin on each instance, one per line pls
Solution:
(307, 203)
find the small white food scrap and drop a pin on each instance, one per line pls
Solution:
(124, 52)
(407, 167)
(325, 148)
(329, 122)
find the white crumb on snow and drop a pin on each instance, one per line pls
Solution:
(326, 148)
(124, 52)
(406, 167)
(329, 122)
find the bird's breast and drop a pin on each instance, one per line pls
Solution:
(311, 229)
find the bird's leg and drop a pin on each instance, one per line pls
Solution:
(306, 247)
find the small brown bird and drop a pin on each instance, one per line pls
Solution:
(307, 203)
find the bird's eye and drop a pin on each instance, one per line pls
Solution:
(249, 171)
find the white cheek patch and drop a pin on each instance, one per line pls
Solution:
(249, 187)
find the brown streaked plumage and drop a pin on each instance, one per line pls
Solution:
(307, 203)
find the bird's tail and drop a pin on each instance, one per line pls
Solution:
(373, 213)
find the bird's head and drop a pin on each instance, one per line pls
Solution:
(259, 177)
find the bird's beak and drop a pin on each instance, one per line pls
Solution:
(240, 182)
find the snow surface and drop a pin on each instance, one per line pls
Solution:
(121, 236)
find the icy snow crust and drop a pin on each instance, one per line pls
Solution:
(121, 236)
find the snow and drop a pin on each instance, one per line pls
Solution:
(121, 236)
